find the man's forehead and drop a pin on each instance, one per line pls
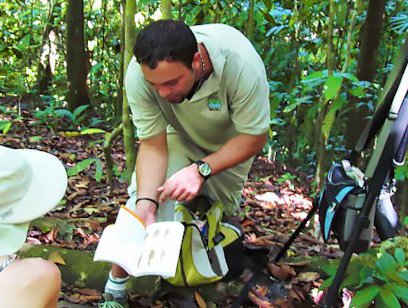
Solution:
(164, 72)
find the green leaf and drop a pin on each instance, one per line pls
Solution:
(24, 43)
(96, 67)
(65, 113)
(366, 276)
(34, 139)
(403, 275)
(330, 268)
(354, 275)
(276, 30)
(319, 75)
(5, 126)
(332, 87)
(400, 291)
(268, 4)
(357, 92)
(365, 296)
(91, 131)
(331, 115)
(82, 165)
(387, 265)
(79, 110)
(342, 11)
(98, 170)
(302, 100)
(401, 173)
(327, 283)
(328, 123)
(350, 77)
(399, 255)
(389, 299)
(268, 17)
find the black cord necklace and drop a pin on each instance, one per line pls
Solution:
(198, 85)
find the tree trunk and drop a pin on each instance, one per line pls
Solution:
(109, 140)
(47, 53)
(367, 65)
(350, 35)
(321, 143)
(77, 60)
(166, 9)
(128, 128)
(118, 103)
(293, 81)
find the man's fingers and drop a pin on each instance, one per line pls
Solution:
(162, 195)
(183, 197)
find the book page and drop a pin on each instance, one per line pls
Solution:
(122, 243)
(161, 249)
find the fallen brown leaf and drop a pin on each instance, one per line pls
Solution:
(308, 276)
(56, 257)
(200, 301)
(261, 303)
(284, 272)
(296, 294)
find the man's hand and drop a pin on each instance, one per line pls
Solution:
(184, 185)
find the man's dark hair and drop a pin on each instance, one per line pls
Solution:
(168, 40)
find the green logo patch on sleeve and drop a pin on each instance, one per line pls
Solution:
(214, 104)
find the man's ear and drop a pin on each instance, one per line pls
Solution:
(196, 62)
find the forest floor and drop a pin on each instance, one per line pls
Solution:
(275, 199)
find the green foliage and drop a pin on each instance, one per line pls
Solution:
(379, 275)
(5, 126)
(76, 117)
(8, 117)
(86, 163)
(287, 176)
(401, 172)
(400, 22)
(291, 38)
(47, 115)
(55, 117)
(92, 131)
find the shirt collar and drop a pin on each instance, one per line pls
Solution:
(212, 83)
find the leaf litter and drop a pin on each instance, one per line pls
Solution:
(271, 210)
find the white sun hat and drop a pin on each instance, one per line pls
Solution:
(32, 183)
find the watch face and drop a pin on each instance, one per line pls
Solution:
(204, 169)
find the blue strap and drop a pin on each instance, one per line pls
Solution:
(331, 210)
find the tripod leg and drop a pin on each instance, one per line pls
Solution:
(296, 233)
(331, 297)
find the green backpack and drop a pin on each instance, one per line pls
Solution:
(208, 247)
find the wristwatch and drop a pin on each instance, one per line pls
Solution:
(204, 169)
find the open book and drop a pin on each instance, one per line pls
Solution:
(140, 250)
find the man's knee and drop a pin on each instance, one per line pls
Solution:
(40, 271)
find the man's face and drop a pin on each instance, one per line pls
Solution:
(172, 80)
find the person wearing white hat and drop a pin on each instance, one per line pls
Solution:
(32, 183)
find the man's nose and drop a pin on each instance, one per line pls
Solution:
(164, 91)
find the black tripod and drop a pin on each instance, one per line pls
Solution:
(391, 121)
